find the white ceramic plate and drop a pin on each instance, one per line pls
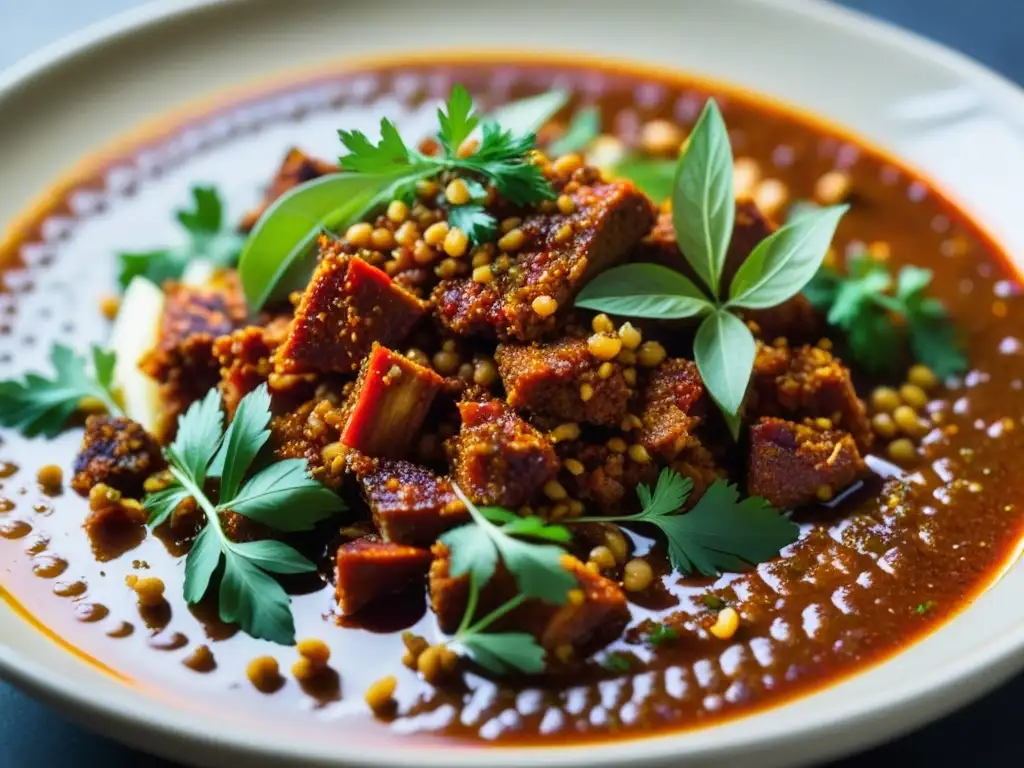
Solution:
(958, 123)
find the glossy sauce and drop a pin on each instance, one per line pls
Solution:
(850, 593)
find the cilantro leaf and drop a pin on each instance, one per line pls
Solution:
(245, 437)
(162, 504)
(584, 127)
(202, 561)
(459, 121)
(41, 406)
(504, 160)
(388, 156)
(285, 497)
(254, 600)
(200, 430)
(616, 661)
(273, 556)
(500, 652)
(475, 221)
(670, 493)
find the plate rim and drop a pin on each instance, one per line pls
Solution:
(999, 657)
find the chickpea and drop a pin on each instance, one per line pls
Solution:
(603, 557)
(50, 477)
(359, 234)
(382, 239)
(651, 354)
(380, 697)
(264, 673)
(602, 324)
(483, 274)
(637, 575)
(883, 425)
(902, 450)
(544, 305)
(630, 336)
(485, 372)
(604, 347)
(398, 211)
(316, 651)
(616, 543)
(512, 240)
(885, 399)
(455, 243)
(567, 164)
(408, 234)
(436, 233)
(446, 363)
(457, 192)
(908, 422)
(914, 396)
(566, 205)
(923, 377)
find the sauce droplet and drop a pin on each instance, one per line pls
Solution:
(7, 468)
(37, 544)
(91, 612)
(49, 566)
(124, 629)
(168, 641)
(14, 529)
(70, 588)
(200, 660)
(6, 505)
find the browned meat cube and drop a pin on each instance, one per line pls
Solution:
(608, 478)
(409, 503)
(585, 625)
(312, 432)
(368, 569)
(807, 382)
(348, 305)
(793, 464)
(245, 359)
(497, 458)
(796, 319)
(183, 361)
(557, 255)
(564, 380)
(297, 167)
(117, 452)
(388, 404)
(673, 407)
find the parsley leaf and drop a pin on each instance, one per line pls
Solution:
(475, 221)
(207, 240)
(282, 496)
(883, 318)
(458, 123)
(721, 533)
(583, 129)
(660, 634)
(40, 406)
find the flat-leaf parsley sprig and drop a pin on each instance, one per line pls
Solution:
(208, 240)
(538, 571)
(278, 257)
(37, 405)
(703, 214)
(721, 532)
(282, 496)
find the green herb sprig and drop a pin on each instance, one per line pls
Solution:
(883, 317)
(721, 532)
(282, 496)
(37, 405)
(208, 240)
(537, 569)
(278, 256)
(584, 127)
(703, 214)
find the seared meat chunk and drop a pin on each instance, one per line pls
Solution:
(807, 382)
(368, 569)
(497, 458)
(584, 624)
(608, 477)
(555, 257)
(410, 504)
(311, 432)
(347, 306)
(388, 404)
(297, 167)
(183, 361)
(673, 407)
(117, 452)
(796, 319)
(565, 381)
(792, 464)
(245, 359)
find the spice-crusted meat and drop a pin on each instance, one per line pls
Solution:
(796, 319)
(409, 503)
(183, 361)
(245, 359)
(297, 167)
(388, 404)
(368, 569)
(311, 432)
(792, 464)
(592, 617)
(807, 382)
(117, 452)
(608, 477)
(347, 306)
(564, 380)
(556, 256)
(497, 458)
(672, 408)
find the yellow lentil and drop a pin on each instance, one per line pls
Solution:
(436, 233)
(483, 274)
(544, 305)
(563, 432)
(382, 239)
(923, 377)
(650, 354)
(604, 347)
(264, 673)
(883, 425)
(602, 324)
(902, 450)
(639, 454)
(359, 234)
(637, 575)
(630, 336)
(885, 399)
(380, 696)
(566, 204)
(50, 477)
(398, 211)
(149, 590)
(617, 445)
(457, 192)
(616, 543)
(574, 466)
(914, 396)
(512, 240)
(315, 650)
(726, 624)
(455, 243)
(555, 491)
(907, 420)
(602, 556)
(586, 391)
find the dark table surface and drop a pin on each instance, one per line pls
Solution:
(983, 734)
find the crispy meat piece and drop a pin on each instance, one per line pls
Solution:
(608, 479)
(497, 458)
(183, 361)
(117, 452)
(245, 359)
(807, 382)
(562, 380)
(368, 569)
(410, 504)
(673, 406)
(347, 306)
(795, 319)
(586, 625)
(312, 432)
(559, 254)
(297, 167)
(793, 464)
(388, 404)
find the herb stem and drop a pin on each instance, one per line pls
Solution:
(471, 601)
(492, 617)
(207, 506)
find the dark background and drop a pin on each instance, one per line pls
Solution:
(984, 734)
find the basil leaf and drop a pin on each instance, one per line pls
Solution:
(724, 352)
(644, 290)
(703, 199)
(785, 261)
(654, 176)
(530, 114)
(278, 255)
(584, 128)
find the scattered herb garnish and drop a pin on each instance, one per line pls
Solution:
(40, 406)
(654, 175)
(924, 607)
(208, 240)
(282, 495)
(616, 661)
(537, 569)
(703, 213)
(278, 255)
(582, 130)
(882, 316)
(660, 634)
(720, 533)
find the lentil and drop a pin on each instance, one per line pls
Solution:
(902, 450)
(359, 234)
(604, 347)
(651, 354)
(637, 575)
(602, 556)
(727, 623)
(457, 192)
(455, 243)
(398, 211)
(264, 673)
(380, 696)
(885, 399)
(923, 377)
(914, 396)
(50, 477)
(544, 305)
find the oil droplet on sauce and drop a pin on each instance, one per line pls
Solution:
(14, 529)
(49, 566)
(124, 629)
(70, 588)
(91, 612)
